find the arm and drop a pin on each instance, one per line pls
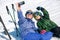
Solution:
(45, 12)
(20, 15)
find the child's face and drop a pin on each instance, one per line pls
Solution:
(38, 17)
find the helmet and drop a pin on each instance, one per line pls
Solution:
(29, 12)
(37, 13)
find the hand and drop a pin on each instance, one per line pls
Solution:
(43, 31)
(38, 8)
(18, 6)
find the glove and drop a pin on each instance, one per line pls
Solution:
(38, 8)
(43, 31)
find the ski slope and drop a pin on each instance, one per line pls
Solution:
(53, 7)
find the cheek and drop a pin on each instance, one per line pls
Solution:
(39, 17)
(30, 15)
(27, 16)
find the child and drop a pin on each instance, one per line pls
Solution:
(44, 23)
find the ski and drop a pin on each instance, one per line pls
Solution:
(5, 28)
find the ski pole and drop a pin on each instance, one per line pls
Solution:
(5, 28)
(9, 13)
(12, 19)
(15, 20)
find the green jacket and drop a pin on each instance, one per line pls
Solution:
(45, 22)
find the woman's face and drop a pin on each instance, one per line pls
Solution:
(38, 17)
(30, 16)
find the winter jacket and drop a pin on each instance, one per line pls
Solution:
(26, 25)
(45, 22)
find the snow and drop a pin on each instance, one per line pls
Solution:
(53, 7)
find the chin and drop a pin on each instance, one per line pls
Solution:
(37, 19)
(30, 18)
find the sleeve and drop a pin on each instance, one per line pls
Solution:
(39, 25)
(45, 12)
(20, 16)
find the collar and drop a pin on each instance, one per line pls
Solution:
(29, 20)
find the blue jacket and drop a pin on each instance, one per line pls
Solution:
(26, 25)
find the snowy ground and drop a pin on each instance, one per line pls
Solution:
(53, 7)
